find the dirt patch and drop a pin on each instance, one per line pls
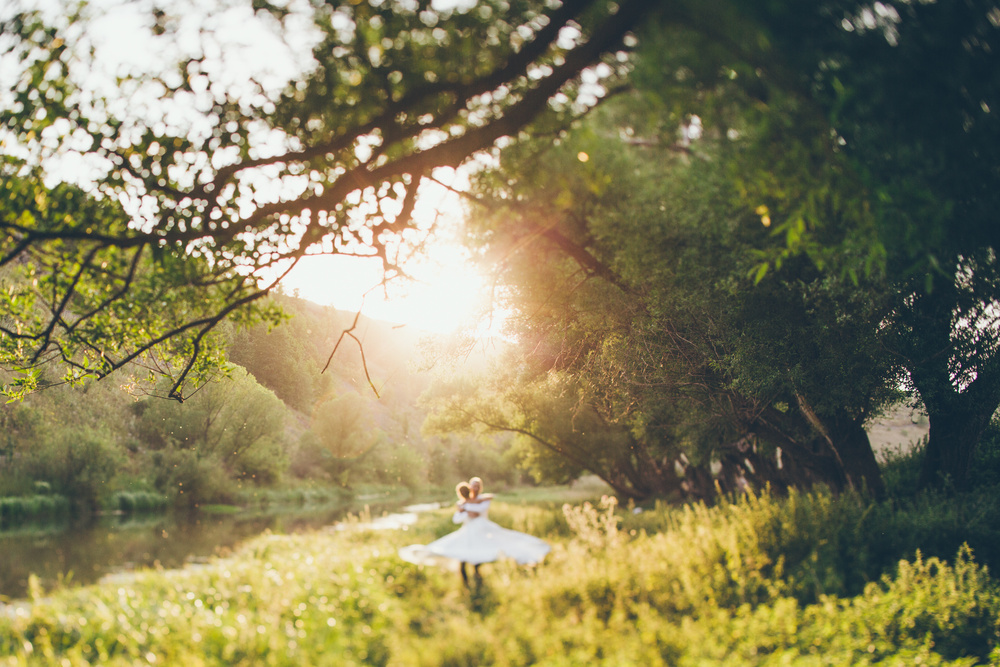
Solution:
(901, 428)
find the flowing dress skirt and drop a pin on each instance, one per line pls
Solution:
(478, 541)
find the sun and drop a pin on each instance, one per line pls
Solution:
(443, 291)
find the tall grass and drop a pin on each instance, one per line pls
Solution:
(17, 510)
(140, 502)
(758, 581)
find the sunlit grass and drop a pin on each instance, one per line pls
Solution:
(587, 488)
(756, 582)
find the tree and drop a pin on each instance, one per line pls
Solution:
(865, 137)
(629, 253)
(236, 426)
(645, 346)
(199, 187)
(948, 337)
(911, 92)
(345, 427)
(281, 357)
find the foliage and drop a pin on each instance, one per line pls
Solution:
(204, 177)
(236, 441)
(346, 429)
(233, 429)
(79, 464)
(738, 248)
(354, 436)
(644, 344)
(189, 480)
(279, 359)
(985, 470)
(898, 104)
(901, 470)
(666, 586)
(483, 406)
(102, 448)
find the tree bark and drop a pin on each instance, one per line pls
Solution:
(958, 415)
(805, 461)
(854, 448)
(955, 431)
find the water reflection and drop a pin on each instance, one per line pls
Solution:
(80, 555)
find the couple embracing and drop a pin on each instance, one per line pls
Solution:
(479, 540)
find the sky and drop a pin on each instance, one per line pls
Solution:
(445, 294)
(446, 291)
(443, 290)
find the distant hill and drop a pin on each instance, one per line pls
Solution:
(290, 359)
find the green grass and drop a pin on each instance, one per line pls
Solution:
(807, 580)
(587, 488)
(18, 510)
(293, 497)
(140, 502)
(220, 509)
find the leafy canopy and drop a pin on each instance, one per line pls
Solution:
(146, 199)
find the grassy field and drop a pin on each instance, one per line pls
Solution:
(807, 580)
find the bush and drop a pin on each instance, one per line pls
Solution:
(262, 465)
(901, 470)
(189, 480)
(140, 502)
(18, 510)
(15, 481)
(80, 465)
(985, 468)
(309, 458)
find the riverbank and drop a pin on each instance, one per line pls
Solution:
(66, 553)
(806, 580)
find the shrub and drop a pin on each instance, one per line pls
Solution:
(82, 465)
(308, 459)
(189, 480)
(901, 470)
(140, 502)
(985, 468)
(20, 509)
(15, 481)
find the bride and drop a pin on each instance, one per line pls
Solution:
(479, 540)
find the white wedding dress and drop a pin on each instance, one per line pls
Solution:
(478, 541)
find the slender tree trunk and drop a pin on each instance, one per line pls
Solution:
(805, 462)
(854, 447)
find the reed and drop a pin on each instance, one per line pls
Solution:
(17, 510)
(140, 502)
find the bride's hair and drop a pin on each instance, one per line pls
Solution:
(463, 490)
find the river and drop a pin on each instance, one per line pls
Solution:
(76, 555)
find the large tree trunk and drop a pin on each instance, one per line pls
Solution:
(807, 459)
(958, 416)
(957, 419)
(954, 434)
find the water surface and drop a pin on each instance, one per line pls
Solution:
(80, 554)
